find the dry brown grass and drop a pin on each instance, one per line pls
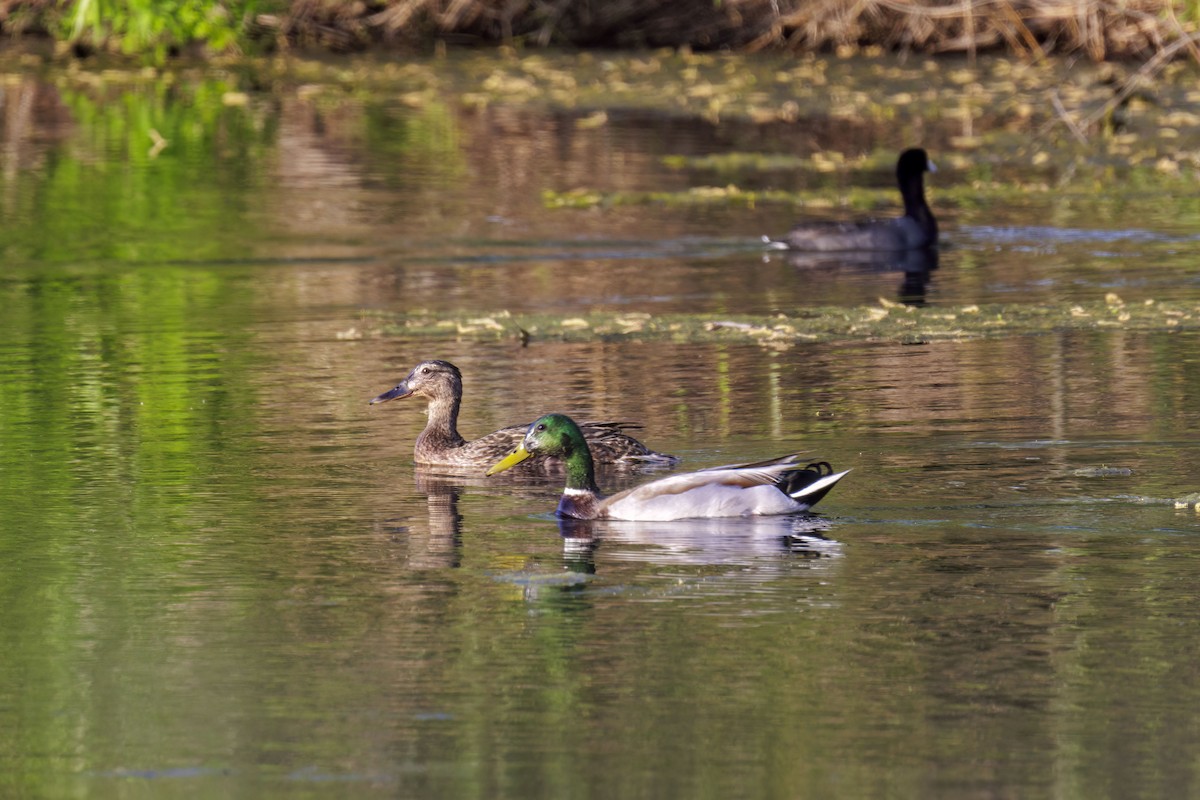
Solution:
(1099, 28)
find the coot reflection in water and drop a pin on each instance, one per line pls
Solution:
(916, 265)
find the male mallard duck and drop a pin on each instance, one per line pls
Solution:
(440, 444)
(917, 228)
(779, 486)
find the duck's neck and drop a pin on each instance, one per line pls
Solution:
(581, 472)
(442, 427)
(915, 206)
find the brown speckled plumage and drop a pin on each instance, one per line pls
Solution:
(441, 445)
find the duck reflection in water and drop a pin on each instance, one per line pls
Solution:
(438, 546)
(917, 265)
(733, 541)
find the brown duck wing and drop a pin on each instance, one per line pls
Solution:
(609, 443)
(501, 442)
(606, 440)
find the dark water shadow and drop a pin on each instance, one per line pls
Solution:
(495, 251)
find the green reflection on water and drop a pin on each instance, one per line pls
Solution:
(106, 194)
(184, 170)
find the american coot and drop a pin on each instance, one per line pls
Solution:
(441, 445)
(917, 228)
(780, 486)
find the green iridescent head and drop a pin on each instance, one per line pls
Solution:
(554, 435)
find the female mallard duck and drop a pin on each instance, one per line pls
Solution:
(441, 445)
(780, 486)
(917, 228)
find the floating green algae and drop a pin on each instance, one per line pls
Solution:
(698, 196)
(887, 321)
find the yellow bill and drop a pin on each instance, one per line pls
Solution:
(510, 461)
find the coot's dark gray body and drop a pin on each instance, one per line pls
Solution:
(917, 228)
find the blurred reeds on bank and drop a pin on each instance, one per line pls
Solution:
(1101, 30)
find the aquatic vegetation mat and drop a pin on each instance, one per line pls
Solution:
(886, 321)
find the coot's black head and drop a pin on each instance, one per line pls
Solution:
(912, 163)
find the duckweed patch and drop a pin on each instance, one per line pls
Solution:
(761, 162)
(696, 196)
(886, 321)
(974, 194)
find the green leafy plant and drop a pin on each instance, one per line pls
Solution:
(155, 28)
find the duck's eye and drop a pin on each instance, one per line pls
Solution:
(541, 427)
(424, 370)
